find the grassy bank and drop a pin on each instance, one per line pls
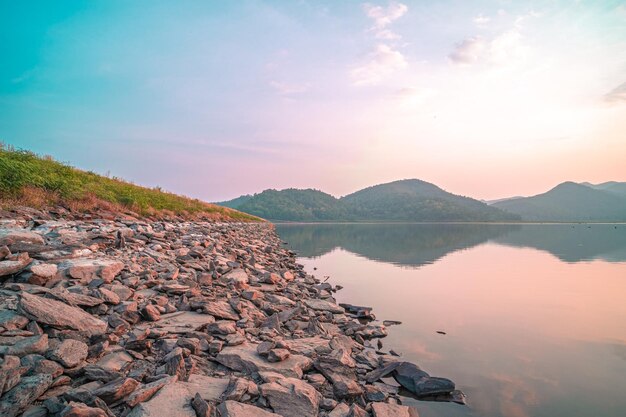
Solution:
(28, 179)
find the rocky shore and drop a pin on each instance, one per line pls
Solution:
(130, 317)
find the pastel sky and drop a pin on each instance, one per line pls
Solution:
(215, 99)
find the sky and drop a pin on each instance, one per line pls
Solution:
(216, 99)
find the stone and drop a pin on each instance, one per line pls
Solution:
(151, 313)
(237, 409)
(37, 364)
(323, 305)
(59, 315)
(44, 270)
(183, 322)
(223, 327)
(87, 269)
(10, 372)
(11, 237)
(342, 377)
(74, 409)
(341, 410)
(237, 278)
(10, 266)
(201, 407)
(23, 394)
(108, 296)
(10, 320)
(115, 361)
(291, 397)
(69, 353)
(116, 390)
(245, 358)
(392, 410)
(277, 355)
(145, 392)
(411, 377)
(220, 309)
(26, 346)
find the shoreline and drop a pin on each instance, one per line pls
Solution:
(126, 317)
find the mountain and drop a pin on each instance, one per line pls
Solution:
(290, 205)
(416, 200)
(405, 200)
(570, 201)
(611, 186)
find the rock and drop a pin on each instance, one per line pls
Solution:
(277, 355)
(323, 305)
(291, 397)
(44, 270)
(419, 382)
(183, 322)
(151, 313)
(108, 296)
(11, 237)
(222, 327)
(10, 320)
(341, 410)
(236, 409)
(342, 377)
(145, 392)
(23, 394)
(27, 345)
(392, 410)
(59, 315)
(10, 372)
(237, 278)
(87, 269)
(201, 407)
(69, 353)
(37, 364)
(221, 309)
(115, 361)
(13, 266)
(244, 358)
(74, 409)
(116, 390)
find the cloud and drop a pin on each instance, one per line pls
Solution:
(382, 61)
(481, 20)
(617, 95)
(287, 89)
(468, 51)
(504, 49)
(383, 16)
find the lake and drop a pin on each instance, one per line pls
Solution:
(534, 315)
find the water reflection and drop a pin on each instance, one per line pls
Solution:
(414, 245)
(534, 314)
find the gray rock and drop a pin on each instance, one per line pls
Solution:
(10, 320)
(323, 305)
(59, 315)
(87, 269)
(69, 353)
(11, 237)
(116, 390)
(244, 358)
(393, 410)
(277, 355)
(291, 397)
(26, 346)
(201, 407)
(147, 391)
(23, 394)
(236, 409)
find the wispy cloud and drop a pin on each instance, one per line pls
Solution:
(384, 58)
(383, 61)
(481, 20)
(468, 51)
(384, 16)
(505, 49)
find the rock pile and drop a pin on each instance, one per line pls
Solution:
(127, 317)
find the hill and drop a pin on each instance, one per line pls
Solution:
(290, 205)
(27, 179)
(611, 186)
(569, 201)
(405, 200)
(416, 200)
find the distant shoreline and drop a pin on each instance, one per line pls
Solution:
(286, 222)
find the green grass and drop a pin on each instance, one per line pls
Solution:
(29, 179)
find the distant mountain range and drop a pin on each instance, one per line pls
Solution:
(405, 200)
(572, 202)
(414, 200)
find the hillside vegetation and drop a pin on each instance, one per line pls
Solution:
(27, 179)
(405, 200)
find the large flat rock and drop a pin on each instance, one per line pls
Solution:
(245, 358)
(88, 269)
(12, 236)
(237, 409)
(175, 399)
(183, 322)
(59, 315)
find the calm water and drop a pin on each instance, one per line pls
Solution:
(535, 315)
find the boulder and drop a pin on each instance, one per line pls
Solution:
(116, 390)
(13, 266)
(245, 358)
(11, 237)
(23, 394)
(291, 397)
(59, 315)
(27, 346)
(87, 269)
(393, 410)
(323, 305)
(69, 353)
(237, 278)
(236, 409)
